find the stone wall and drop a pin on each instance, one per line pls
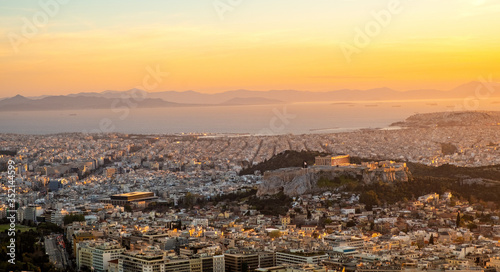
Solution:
(298, 181)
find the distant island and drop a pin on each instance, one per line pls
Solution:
(83, 102)
(142, 99)
(251, 101)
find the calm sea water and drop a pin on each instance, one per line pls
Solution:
(298, 118)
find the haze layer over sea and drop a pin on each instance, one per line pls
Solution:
(297, 118)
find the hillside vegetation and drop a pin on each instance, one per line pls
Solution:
(451, 171)
(285, 159)
(485, 184)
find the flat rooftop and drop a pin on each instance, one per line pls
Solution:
(133, 194)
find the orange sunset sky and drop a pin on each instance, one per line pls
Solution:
(214, 46)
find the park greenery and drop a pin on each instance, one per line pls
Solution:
(285, 159)
(30, 252)
(70, 218)
(324, 182)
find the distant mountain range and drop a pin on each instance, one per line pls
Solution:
(251, 101)
(108, 99)
(291, 96)
(21, 103)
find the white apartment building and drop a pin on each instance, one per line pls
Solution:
(97, 254)
(300, 257)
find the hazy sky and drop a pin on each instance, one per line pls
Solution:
(214, 46)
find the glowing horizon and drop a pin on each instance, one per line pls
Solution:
(255, 45)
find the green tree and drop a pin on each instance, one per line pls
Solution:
(351, 224)
(275, 234)
(189, 199)
(457, 223)
(70, 218)
(369, 198)
(127, 208)
(472, 226)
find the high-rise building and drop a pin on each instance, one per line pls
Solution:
(55, 185)
(57, 217)
(83, 256)
(177, 265)
(219, 263)
(80, 236)
(110, 172)
(153, 259)
(195, 265)
(207, 263)
(300, 257)
(97, 254)
(267, 259)
(31, 212)
(241, 262)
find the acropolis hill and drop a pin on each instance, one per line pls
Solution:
(320, 177)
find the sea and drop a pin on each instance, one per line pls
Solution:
(294, 118)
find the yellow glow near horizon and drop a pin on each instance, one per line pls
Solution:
(415, 51)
